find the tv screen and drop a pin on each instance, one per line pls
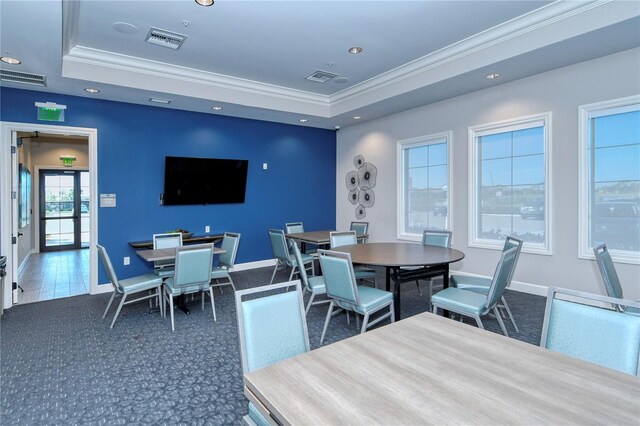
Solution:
(190, 180)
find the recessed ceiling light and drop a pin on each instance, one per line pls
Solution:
(303, 120)
(205, 2)
(355, 50)
(10, 60)
(160, 101)
(216, 108)
(91, 90)
(492, 76)
(357, 117)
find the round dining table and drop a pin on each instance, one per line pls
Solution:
(432, 260)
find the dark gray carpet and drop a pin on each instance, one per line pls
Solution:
(61, 364)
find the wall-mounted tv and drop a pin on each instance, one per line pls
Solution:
(189, 180)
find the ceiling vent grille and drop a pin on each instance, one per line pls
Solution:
(321, 76)
(165, 38)
(23, 77)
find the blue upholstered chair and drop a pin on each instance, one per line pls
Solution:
(473, 304)
(360, 228)
(166, 268)
(230, 243)
(314, 285)
(410, 273)
(271, 328)
(610, 278)
(481, 285)
(577, 328)
(345, 238)
(129, 286)
(344, 293)
(284, 257)
(193, 275)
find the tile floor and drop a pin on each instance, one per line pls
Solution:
(54, 275)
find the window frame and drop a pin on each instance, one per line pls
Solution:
(416, 142)
(585, 114)
(520, 123)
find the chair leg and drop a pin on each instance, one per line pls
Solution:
(326, 321)
(293, 269)
(274, 272)
(306, 311)
(392, 310)
(160, 304)
(418, 285)
(513, 321)
(113, 296)
(213, 304)
(497, 314)
(355, 314)
(365, 322)
(124, 297)
(434, 308)
(173, 328)
(232, 285)
(479, 322)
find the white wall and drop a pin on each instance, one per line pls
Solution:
(560, 91)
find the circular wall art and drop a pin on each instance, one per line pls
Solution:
(360, 183)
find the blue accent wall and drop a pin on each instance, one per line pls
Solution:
(300, 184)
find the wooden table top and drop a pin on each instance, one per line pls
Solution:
(153, 255)
(400, 254)
(316, 237)
(431, 370)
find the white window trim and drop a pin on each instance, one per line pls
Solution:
(543, 119)
(410, 143)
(585, 112)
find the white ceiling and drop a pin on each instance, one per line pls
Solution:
(252, 57)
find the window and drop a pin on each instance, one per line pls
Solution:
(610, 178)
(423, 179)
(509, 181)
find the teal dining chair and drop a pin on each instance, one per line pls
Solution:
(360, 228)
(481, 284)
(284, 257)
(581, 328)
(314, 285)
(129, 286)
(226, 260)
(345, 294)
(610, 278)
(430, 237)
(344, 238)
(294, 227)
(271, 328)
(193, 275)
(476, 305)
(166, 268)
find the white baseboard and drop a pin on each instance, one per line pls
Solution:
(103, 288)
(24, 262)
(253, 265)
(538, 290)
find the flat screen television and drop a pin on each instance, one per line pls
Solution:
(189, 180)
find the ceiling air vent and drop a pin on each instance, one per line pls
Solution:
(165, 38)
(321, 76)
(23, 77)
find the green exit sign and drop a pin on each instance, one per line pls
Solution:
(50, 111)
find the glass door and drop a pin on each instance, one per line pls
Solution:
(64, 209)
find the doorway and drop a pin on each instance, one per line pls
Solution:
(64, 209)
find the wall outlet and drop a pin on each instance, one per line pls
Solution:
(207, 229)
(127, 260)
(265, 166)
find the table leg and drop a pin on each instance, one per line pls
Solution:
(445, 284)
(396, 294)
(388, 279)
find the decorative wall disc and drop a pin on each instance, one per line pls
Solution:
(361, 212)
(358, 161)
(367, 198)
(352, 180)
(359, 183)
(354, 196)
(367, 175)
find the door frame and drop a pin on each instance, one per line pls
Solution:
(7, 140)
(36, 201)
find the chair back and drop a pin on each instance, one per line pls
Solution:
(591, 333)
(339, 278)
(279, 244)
(168, 240)
(608, 272)
(501, 277)
(294, 227)
(342, 238)
(301, 271)
(271, 328)
(230, 243)
(360, 228)
(510, 243)
(436, 238)
(108, 268)
(193, 267)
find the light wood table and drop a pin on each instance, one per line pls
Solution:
(429, 369)
(393, 256)
(153, 255)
